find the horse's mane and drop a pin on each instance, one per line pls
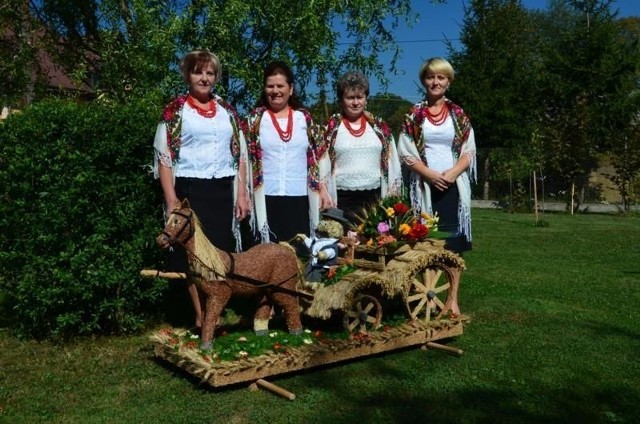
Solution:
(208, 262)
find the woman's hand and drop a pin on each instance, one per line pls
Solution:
(436, 180)
(450, 175)
(243, 204)
(171, 205)
(325, 200)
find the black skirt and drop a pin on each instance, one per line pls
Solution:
(212, 201)
(352, 202)
(287, 216)
(446, 204)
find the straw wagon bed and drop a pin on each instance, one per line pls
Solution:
(419, 278)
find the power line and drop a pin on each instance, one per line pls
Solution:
(432, 40)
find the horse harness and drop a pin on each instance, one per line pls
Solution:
(230, 273)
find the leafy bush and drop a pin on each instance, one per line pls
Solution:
(78, 217)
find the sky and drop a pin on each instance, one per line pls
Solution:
(438, 22)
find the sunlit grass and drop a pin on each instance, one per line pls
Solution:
(554, 338)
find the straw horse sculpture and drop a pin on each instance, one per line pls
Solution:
(269, 270)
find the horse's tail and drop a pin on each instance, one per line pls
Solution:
(298, 261)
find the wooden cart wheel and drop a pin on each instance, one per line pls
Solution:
(365, 314)
(427, 293)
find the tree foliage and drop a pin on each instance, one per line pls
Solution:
(132, 46)
(495, 80)
(590, 73)
(566, 77)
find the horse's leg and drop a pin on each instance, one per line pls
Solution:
(262, 316)
(217, 295)
(197, 303)
(289, 304)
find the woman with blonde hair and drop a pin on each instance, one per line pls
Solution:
(437, 143)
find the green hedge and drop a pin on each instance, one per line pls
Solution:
(79, 213)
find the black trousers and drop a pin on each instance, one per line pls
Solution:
(212, 201)
(287, 216)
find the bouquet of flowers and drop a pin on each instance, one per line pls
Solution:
(391, 223)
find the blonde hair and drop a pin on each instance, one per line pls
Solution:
(436, 65)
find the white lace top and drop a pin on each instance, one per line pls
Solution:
(205, 150)
(284, 165)
(357, 164)
(437, 148)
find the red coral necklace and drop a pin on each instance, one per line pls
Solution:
(286, 134)
(356, 133)
(440, 117)
(207, 113)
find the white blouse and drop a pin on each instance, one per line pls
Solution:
(357, 164)
(284, 164)
(437, 148)
(205, 147)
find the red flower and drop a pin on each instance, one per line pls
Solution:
(418, 231)
(400, 208)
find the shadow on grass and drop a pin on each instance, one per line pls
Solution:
(394, 402)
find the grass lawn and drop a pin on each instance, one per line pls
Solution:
(554, 338)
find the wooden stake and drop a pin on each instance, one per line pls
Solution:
(573, 193)
(449, 349)
(535, 196)
(275, 389)
(168, 275)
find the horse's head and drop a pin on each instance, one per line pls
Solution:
(179, 228)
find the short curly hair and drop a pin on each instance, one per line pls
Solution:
(352, 80)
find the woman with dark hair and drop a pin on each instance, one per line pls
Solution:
(201, 154)
(283, 147)
(364, 162)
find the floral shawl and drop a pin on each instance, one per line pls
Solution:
(391, 179)
(172, 118)
(411, 145)
(313, 170)
(167, 147)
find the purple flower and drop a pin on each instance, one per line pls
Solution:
(383, 228)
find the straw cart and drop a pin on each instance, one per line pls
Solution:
(420, 277)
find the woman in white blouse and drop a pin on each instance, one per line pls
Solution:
(200, 154)
(283, 147)
(360, 161)
(438, 144)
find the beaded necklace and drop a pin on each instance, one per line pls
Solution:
(440, 117)
(286, 134)
(207, 113)
(356, 133)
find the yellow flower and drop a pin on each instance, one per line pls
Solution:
(390, 212)
(370, 242)
(361, 228)
(404, 229)
(430, 221)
